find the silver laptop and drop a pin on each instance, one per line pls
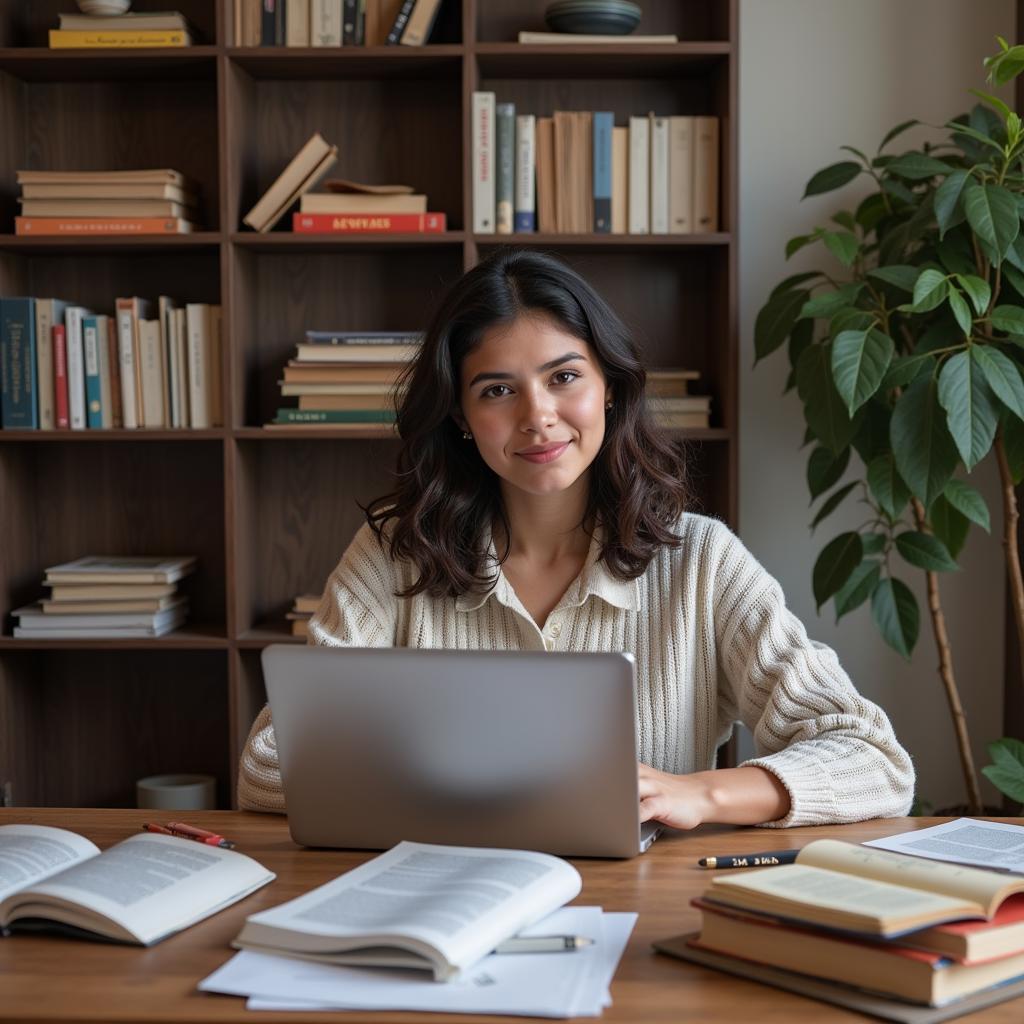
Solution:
(519, 749)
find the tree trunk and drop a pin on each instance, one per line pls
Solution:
(956, 711)
(1011, 553)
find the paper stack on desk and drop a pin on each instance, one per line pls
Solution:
(565, 984)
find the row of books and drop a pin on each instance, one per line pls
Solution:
(334, 22)
(145, 201)
(670, 401)
(106, 597)
(576, 172)
(301, 612)
(346, 377)
(68, 368)
(121, 31)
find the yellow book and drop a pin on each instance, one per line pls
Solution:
(78, 39)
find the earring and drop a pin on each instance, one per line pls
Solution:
(608, 404)
(467, 436)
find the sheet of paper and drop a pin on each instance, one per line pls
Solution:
(541, 984)
(985, 844)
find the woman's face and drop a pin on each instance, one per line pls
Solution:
(533, 398)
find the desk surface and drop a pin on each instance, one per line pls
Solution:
(48, 978)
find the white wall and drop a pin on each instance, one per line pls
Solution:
(814, 75)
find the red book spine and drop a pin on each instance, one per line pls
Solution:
(368, 223)
(49, 226)
(60, 377)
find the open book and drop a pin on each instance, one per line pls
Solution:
(841, 885)
(440, 908)
(140, 891)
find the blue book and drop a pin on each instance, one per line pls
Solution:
(603, 123)
(19, 403)
(93, 389)
(504, 187)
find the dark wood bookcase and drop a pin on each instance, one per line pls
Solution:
(269, 513)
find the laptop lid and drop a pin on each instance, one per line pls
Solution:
(533, 750)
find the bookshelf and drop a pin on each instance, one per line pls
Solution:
(269, 513)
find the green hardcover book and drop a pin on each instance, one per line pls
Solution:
(334, 416)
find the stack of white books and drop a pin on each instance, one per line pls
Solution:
(109, 596)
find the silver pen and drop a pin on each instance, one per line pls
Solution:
(542, 944)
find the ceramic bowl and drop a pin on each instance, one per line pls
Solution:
(593, 17)
(103, 8)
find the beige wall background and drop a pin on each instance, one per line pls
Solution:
(814, 75)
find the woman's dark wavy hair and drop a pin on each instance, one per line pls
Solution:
(447, 499)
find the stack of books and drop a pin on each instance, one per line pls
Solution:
(334, 22)
(351, 207)
(302, 611)
(670, 402)
(160, 201)
(304, 170)
(346, 378)
(845, 919)
(121, 31)
(68, 368)
(577, 172)
(102, 596)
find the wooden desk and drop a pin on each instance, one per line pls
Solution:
(48, 978)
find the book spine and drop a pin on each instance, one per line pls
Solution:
(317, 223)
(268, 22)
(620, 179)
(483, 163)
(101, 226)
(280, 22)
(680, 175)
(603, 124)
(126, 362)
(639, 171)
(215, 365)
(18, 399)
(71, 39)
(199, 384)
(93, 395)
(349, 13)
(421, 23)
(705, 173)
(152, 376)
(547, 214)
(361, 6)
(505, 163)
(394, 36)
(659, 175)
(103, 357)
(45, 309)
(297, 22)
(366, 338)
(525, 216)
(62, 414)
(334, 416)
(181, 347)
(114, 374)
(76, 366)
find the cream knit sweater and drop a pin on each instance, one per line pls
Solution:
(713, 641)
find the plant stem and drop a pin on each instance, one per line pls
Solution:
(956, 711)
(1011, 553)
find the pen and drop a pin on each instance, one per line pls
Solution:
(542, 944)
(183, 831)
(750, 860)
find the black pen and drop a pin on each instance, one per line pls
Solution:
(750, 860)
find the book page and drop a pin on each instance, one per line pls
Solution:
(30, 853)
(461, 901)
(995, 845)
(149, 885)
(986, 889)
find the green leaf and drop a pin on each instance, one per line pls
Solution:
(842, 245)
(849, 318)
(925, 453)
(823, 407)
(857, 589)
(1002, 376)
(946, 197)
(898, 275)
(827, 304)
(870, 211)
(796, 243)
(917, 167)
(930, 290)
(898, 130)
(960, 128)
(956, 253)
(949, 525)
(1005, 66)
(1008, 318)
(992, 213)
(894, 609)
(775, 321)
(856, 152)
(899, 190)
(824, 469)
(961, 311)
(832, 177)
(970, 414)
(905, 369)
(845, 220)
(789, 283)
(969, 502)
(995, 101)
(1007, 752)
(835, 564)
(979, 290)
(833, 501)
(872, 434)
(1007, 772)
(800, 337)
(859, 362)
(1013, 442)
(924, 551)
(887, 486)
(1012, 275)
(873, 543)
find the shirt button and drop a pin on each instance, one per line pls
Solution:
(555, 630)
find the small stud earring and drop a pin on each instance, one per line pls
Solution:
(467, 436)
(607, 405)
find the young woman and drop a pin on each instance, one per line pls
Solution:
(538, 509)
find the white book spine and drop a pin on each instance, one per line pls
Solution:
(659, 175)
(198, 384)
(483, 163)
(325, 23)
(526, 171)
(680, 175)
(76, 366)
(639, 170)
(126, 354)
(152, 374)
(44, 363)
(181, 347)
(103, 359)
(296, 22)
(214, 322)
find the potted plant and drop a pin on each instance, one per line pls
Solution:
(909, 365)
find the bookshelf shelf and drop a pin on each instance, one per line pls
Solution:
(269, 512)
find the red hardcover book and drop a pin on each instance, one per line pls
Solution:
(49, 226)
(368, 223)
(62, 415)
